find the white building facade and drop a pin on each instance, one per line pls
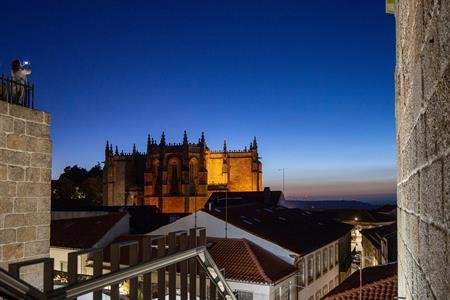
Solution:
(318, 271)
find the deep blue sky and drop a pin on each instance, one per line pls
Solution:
(312, 80)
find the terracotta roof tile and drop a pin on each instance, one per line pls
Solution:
(378, 283)
(82, 233)
(243, 260)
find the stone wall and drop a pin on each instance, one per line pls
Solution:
(25, 176)
(423, 147)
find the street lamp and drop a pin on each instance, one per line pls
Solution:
(360, 273)
(294, 285)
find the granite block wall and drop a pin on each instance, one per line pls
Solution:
(25, 179)
(422, 80)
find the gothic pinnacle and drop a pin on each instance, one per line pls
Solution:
(202, 139)
(255, 145)
(185, 138)
(225, 146)
(117, 151)
(149, 142)
(163, 139)
(134, 148)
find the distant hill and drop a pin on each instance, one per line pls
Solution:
(327, 204)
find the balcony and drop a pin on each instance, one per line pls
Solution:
(15, 92)
(176, 266)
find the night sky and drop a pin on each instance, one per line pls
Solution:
(312, 80)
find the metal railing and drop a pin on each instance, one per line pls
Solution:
(16, 92)
(179, 254)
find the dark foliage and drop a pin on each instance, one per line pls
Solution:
(78, 186)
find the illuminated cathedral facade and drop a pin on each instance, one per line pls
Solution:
(178, 177)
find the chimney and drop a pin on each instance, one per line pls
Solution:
(267, 196)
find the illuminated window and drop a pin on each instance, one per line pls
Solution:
(193, 170)
(325, 260)
(318, 265)
(301, 272)
(331, 250)
(174, 176)
(336, 254)
(156, 178)
(63, 265)
(310, 268)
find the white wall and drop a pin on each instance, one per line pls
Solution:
(285, 289)
(259, 291)
(318, 284)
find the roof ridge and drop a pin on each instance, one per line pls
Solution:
(256, 261)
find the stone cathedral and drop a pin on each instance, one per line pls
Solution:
(178, 177)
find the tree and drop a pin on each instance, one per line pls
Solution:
(78, 186)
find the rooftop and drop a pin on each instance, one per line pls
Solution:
(82, 233)
(243, 260)
(293, 229)
(374, 235)
(379, 282)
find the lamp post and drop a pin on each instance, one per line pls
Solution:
(293, 285)
(360, 274)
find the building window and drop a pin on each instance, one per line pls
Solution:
(325, 260)
(310, 268)
(301, 272)
(318, 295)
(331, 285)
(325, 290)
(336, 281)
(331, 250)
(63, 265)
(193, 171)
(156, 178)
(336, 254)
(318, 265)
(244, 295)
